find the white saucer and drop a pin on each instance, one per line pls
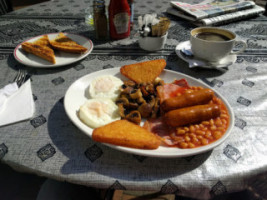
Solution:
(195, 62)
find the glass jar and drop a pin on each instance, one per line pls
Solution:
(100, 21)
(89, 16)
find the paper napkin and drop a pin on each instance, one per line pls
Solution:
(16, 104)
(6, 92)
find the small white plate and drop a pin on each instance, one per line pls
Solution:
(195, 62)
(77, 94)
(62, 58)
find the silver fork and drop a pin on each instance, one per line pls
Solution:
(20, 77)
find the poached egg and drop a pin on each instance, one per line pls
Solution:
(106, 86)
(98, 112)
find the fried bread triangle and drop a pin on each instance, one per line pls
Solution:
(40, 48)
(64, 43)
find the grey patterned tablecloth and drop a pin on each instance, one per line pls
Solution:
(50, 145)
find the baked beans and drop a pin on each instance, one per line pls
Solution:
(204, 133)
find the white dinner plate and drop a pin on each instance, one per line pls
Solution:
(62, 58)
(77, 94)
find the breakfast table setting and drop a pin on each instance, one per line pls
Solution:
(40, 129)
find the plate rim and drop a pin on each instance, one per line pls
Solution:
(53, 65)
(149, 153)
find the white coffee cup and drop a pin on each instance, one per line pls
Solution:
(212, 44)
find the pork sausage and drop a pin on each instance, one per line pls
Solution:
(187, 99)
(193, 114)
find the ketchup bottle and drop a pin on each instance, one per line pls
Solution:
(119, 19)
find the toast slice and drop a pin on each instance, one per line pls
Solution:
(143, 72)
(64, 43)
(40, 48)
(127, 134)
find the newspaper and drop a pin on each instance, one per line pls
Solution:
(215, 12)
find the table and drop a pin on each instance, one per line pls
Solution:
(50, 145)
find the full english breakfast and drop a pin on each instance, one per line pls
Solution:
(176, 114)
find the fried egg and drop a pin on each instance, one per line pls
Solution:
(106, 86)
(98, 112)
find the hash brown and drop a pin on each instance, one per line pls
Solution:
(127, 134)
(143, 72)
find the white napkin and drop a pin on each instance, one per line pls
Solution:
(16, 104)
(5, 92)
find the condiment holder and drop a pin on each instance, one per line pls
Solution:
(153, 32)
(152, 43)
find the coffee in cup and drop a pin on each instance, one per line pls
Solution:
(212, 44)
